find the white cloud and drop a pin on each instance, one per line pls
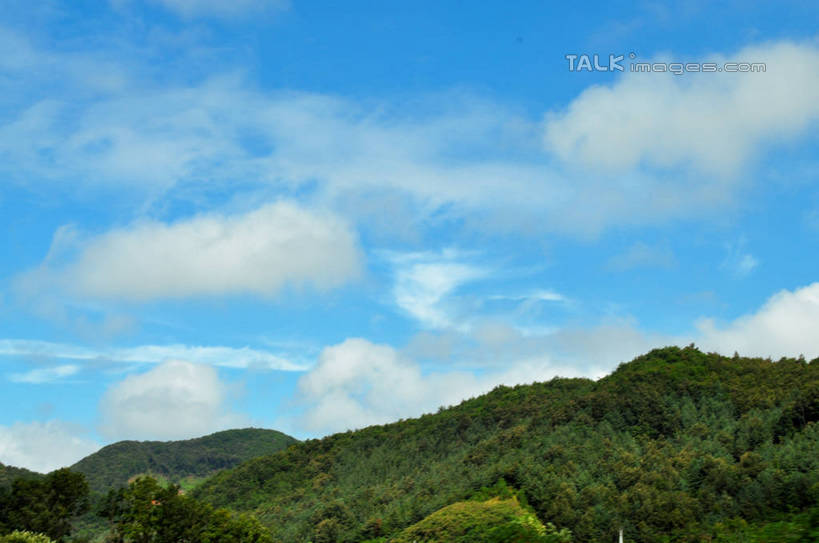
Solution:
(449, 156)
(221, 8)
(715, 122)
(44, 446)
(45, 375)
(259, 252)
(738, 262)
(424, 280)
(786, 325)
(534, 296)
(175, 400)
(642, 255)
(359, 383)
(228, 357)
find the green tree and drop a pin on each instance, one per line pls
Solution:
(147, 512)
(46, 505)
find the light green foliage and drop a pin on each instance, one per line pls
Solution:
(491, 521)
(25, 537)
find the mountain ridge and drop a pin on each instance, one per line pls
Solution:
(113, 465)
(675, 441)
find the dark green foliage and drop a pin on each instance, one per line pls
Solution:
(44, 505)
(147, 512)
(9, 473)
(669, 447)
(114, 465)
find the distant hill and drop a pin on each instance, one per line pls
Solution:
(9, 473)
(177, 461)
(676, 444)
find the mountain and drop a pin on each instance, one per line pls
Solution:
(9, 473)
(677, 443)
(178, 461)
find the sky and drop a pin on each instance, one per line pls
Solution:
(318, 216)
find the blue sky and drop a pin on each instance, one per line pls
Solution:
(318, 216)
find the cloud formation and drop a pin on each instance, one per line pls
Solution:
(259, 252)
(713, 122)
(228, 357)
(358, 383)
(423, 281)
(44, 446)
(221, 9)
(642, 255)
(786, 325)
(453, 156)
(175, 400)
(45, 375)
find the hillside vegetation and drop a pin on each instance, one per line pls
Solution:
(495, 520)
(9, 473)
(676, 445)
(114, 465)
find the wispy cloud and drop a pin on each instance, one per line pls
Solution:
(642, 255)
(233, 9)
(45, 375)
(229, 357)
(423, 281)
(739, 262)
(442, 165)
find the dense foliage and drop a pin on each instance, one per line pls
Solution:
(9, 473)
(491, 521)
(114, 465)
(677, 445)
(45, 505)
(147, 512)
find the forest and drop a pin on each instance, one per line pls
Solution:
(677, 445)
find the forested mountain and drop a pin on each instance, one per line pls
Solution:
(10, 473)
(114, 465)
(676, 443)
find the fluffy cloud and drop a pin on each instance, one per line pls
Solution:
(786, 325)
(259, 252)
(359, 383)
(175, 400)
(44, 446)
(715, 122)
